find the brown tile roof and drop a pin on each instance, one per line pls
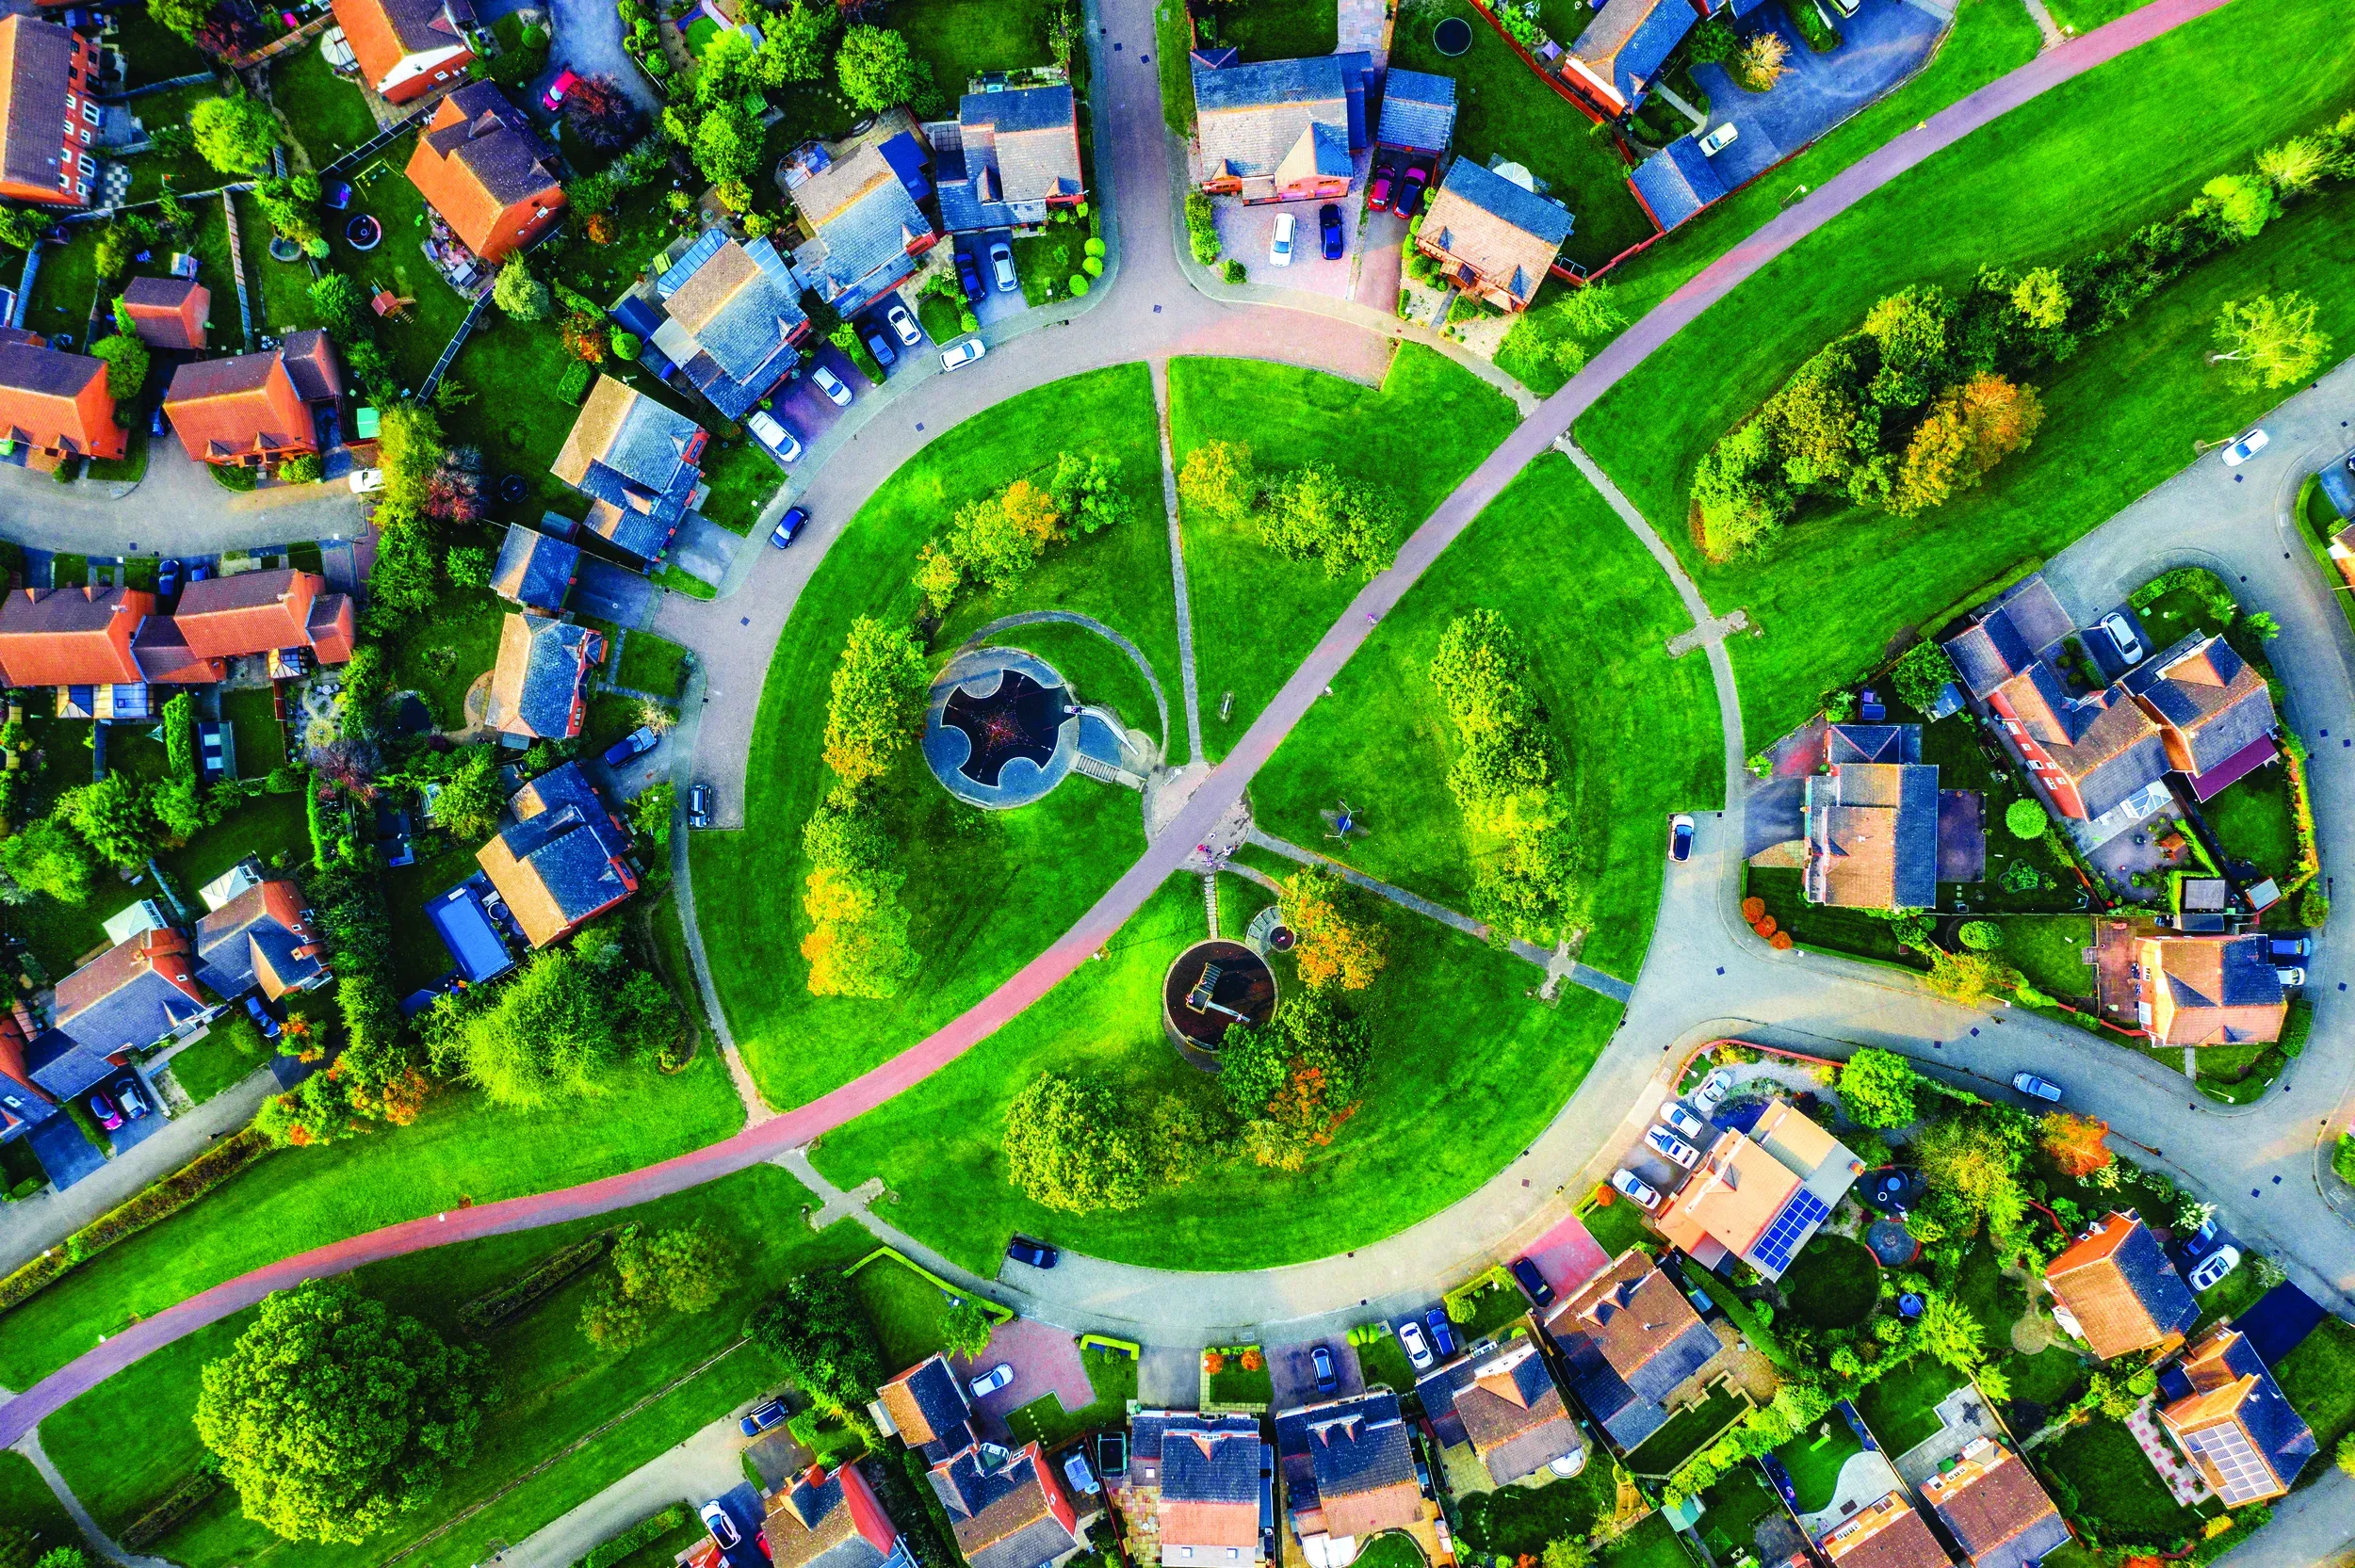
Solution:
(1394, 1507)
(226, 410)
(71, 636)
(1889, 1534)
(36, 76)
(2096, 1278)
(2210, 990)
(168, 313)
(56, 401)
(478, 160)
(164, 656)
(254, 612)
(1991, 1497)
(1211, 1523)
(1630, 1312)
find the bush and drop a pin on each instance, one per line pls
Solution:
(1981, 937)
(653, 1527)
(2341, 1161)
(573, 386)
(303, 468)
(497, 1306)
(2027, 818)
(1201, 228)
(1236, 271)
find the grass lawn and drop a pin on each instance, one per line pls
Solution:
(1815, 1458)
(1688, 1431)
(1384, 743)
(419, 957)
(1045, 863)
(2318, 1379)
(960, 39)
(1280, 29)
(1733, 1507)
(650, 663)
(2068, 173)
(555, 1389)
(1617, 1225)
(231, 1053)
(1827, 926)
(906, 1310)
(1256, 615)
(442, 654)
(1994, 1300)
(27, 1504)
(1044, 1420)
(1443, 1112)
(1391, 1549)
(2050, 950)
(1519, 1520)
(2050, 1377)
(64, 287)
(1653, 1543)
(327, 115)
(2098, 1477)
(1901, 1406)
(152, 171)
(1234, 1383)
(742, 475)
(261, 740)
(2255, 822)
(1496, 1308)
(1385, 1365)
(273, 827)
(462, 1149)
(2084, 15)
(1503, 108)
(1171, 36)
(1834, 1284)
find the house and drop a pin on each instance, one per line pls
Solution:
(1493, 237)
(131, 996)
(2114, 1289)
(1872, 835)
(2208, 990)
(48, 74)
(638, 464)
(1990, 1503)
(1885, 1534)
(266, 612)
(78, 635)
(537, 687)
(1418, 112)
(1349, 1474)
(1508, 1408)
(1013, 1513)
(732, 314)
(832, 1521)
(2225, 1413)
(56, 405)
(258, 409)
(1615, 60)
(1008, 159)
(562, 860)
(535, 571)
(1279, 130)
(264, 937)
(168, 313)
(408, 47)
(1760, 1196)
(23, 1104)
(2214, 712)
(2007, 637)
(859, 201)
(481, 164)
(1631, 1343)
(1675, 183)
(927, 1408)
(2088, 757)
(1193, 1488)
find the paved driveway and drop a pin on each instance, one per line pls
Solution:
(613, 594)
(589, 39)
(703, 549)
(623, 783)
(809, 413)
(177, 510)
(1296, 1376)
(1046, 1359)
(1886, 42)
(1380, 260)
(1567, 1256)
(1247, 232)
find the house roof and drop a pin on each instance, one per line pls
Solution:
(242, 407)
(1418, 110)
(864, 220)
(1871, 743)
(1743, 1200)
(828, 1521)
(739, 305)
(1990, 1502)
(2116, 1282)
(62, 1067)
(254, 612)
(168, 313)
(632, 456)
(130, 995)
(2208, 695)
(1872, 835)
(382, 33)
(261, 937)
(1251, 120)
(2235, 1424)
(1675, 183)
(2211, 990)
(928, 1404)
(71, 636)
(534, 570)
(560, 859)
(1014, 1516)
(1629, 1340)
(2106, 744)
(1887, 1534)
(1515, 1415)
(2008, 636)
(1629, 41)
(36, 73)
(47, 400)
(310, 358)
(1349, 1462)
(164, 657)
(1209, 1483)
(536, 686)
(1509, 234)
(479, 158)
(1806, 1150)
(1145, 1430)
(1028, 139)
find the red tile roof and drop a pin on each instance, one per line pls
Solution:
(72, 636)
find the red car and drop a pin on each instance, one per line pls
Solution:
(566, 81)
(1378, 196)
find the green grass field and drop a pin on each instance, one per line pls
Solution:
(233, 1050)
(327, 113)
(1688, 1431)
(960, 39)
(1653, 1543)
(27, 1504)
(1901, 1406)
(905, 1309)
(2102, 1469)
(1815, 1458)
(2050, 951)
(2318, 1379)
(1834, 1284)
(1280, 29)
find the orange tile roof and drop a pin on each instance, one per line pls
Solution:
(1887, 1534)
(57, 401)
(1731, 1197)
(226, 411)
(482, 169)
(168, 313)
(383, 33)
(71, 636)
(2087, 1278)
(254, 612)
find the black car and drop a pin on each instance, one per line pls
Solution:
(789, 527)
(1329, 229)
(635, 744)
(968, 275)
(1327, 1380)
(1038, 1255)
(699, 806)
(1532, 1281)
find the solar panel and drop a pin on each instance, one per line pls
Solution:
(1799, 1216)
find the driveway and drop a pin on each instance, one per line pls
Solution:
(1566, 1256)
(809, 413)
(623, 783)
(1247, 232)
(1046, 1361)
(1380, 259)
(908, 356)
(137, 1130)
(1296, 1376)
(176, 510)
(613, 594)
(1886, 42)
(703, 549)
(588, 39)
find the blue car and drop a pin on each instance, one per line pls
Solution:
(761, 1418)
(789, 527)
(635, 744)
(1442, 1332)
(260, 1016)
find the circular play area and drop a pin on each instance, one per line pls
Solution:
(1002, 730)
(1452, 37)
(363, 233)
(1210, 987)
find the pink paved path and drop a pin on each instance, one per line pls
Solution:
(1222, 788)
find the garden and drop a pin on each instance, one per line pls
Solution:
(1814, 1458)
(1522, 1521)
(1901, 1407)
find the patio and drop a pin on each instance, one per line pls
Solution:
(1246, 231)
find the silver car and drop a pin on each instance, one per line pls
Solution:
(2122, 638)
(1001, 266)
(831, 384)
(774, 436)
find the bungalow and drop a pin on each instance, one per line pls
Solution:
(131, 996)
(732, 314)
(1279, 130)
(1010, 1513)
(266, 612)
(1506, 1407)
(2008, 636)
(1630, 1342)
(535, 570)
(1990, 1503)
(1191, 1494)
(562, 860)
(258, 409)
(1493, 237)
(1418, 112)
(1615, 60)
(1675, 183)
(1008, 159)
(1349, 1474)
(926, 1408)
(481, 164)
(1884, 1535)
(2214, 712)
(2224, 1410)
(1760, 1197)
(56, 405)
(2114, 1289)
(2208, 990)
(537, 685)
(406, 47)
(263, 937)
(859, 201)
(166, 313)
(1872, 834)
(48, 74)
(832, 1521)
(638, 464)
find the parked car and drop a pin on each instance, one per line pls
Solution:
(968, 275)
(1321, 1361)
(2290, 975)
(1719, 139)
(1532, 1281)
(762, 1417)
(769, 433)
(1038, 1255)
(789, 527)
(1712, 1089)
(992, 1379)
(699, 806)
(2246, 447)
(1329, 229)
(1668, 1146)
(635, 744)
(1001, 266)
(2198, 1241)
(2122, 638)
(1681, 838)
(1634, 1188)
(365, 481)
(825, 380)
(957, 356)
(167, 578)
(2036, 1088)
(1410, 191)
(2288, 946)
(1279, 249)
(1442, 1332)
(902, 325)
(1685, 1121)
(2216, 1264)
(155, 423)
(881, 348)
(263, 1019)
(1378, 194)
(128, 1095)
(566, 81)
(1418, 1349)
(722, 1526)
(104, 1108)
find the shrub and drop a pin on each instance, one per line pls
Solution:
(1235, 272)
(2342, 1159)
(1201, 228)
(497, 1305)
(642, 1533)
(167, 1197)
(303, 468)
(1981, 937)
(2027, 818)
(1080, 284)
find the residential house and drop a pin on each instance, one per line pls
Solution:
(1675, 183)
(2007, 637)
(54, 405)
(1884, 1535)
(859, 201)
(535, 570)
(2208, 990)
(406, 48)
(1493, 237)
(2223, 1409)
(78, 635)
(1418, 112)
(1279, 130)
(2342, 542)
(168, 313)
(1013, 1512)
(48, 76)
(927, 1408)
(1615, 60)
(2088, 757)
(562, 859)
(638, 464)
(1506, 1407)
(1872, 835)
(1191, 1494)
(1760, 1197)
(1631, 1343)
(482, 165)
(265, 937)
(1991, 1504)
(732, 315)
(258, 409)
(131, 996)
(23, 1104)
(2114, 1289)
(832, 1521)
(1009, 157)
(538, 688)
(2213, 710)
(1349, 1474)
(267, 613)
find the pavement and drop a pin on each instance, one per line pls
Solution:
(176, 508)
(588, 39)
(1046, 1362)
(1885, 42)
(702, 548)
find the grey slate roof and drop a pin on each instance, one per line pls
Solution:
(937, 1392)
(630, 454)
(245, 933)
(2277, 1429)
(1342, 1446)
(1873, 743)
(1677, 181)
(1629, 41)
(1418, 110)
(1227, 1473)
(534, 571)
(552, 675)
(2009, 636)
(864, 220)
(741, 305)
(2226, 726)
(2246, 973)
(1491, 192)
(570, 842)
(1250, 117)
(1028, 136)
(141, 1009)
(62, 1067)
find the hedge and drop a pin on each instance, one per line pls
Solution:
(194, 1490)
(905, 1491)
(180, 737)
(497, 1306)
(652, 1527)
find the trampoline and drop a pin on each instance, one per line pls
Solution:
(513, 489)
(363, 233)
(284, 250)
(1452, 37)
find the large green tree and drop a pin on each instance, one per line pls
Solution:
(1294, 1080)
(819, 1334)
(470, 799)
(235, 134)
(1316, 513)
(113, 818)
(1070, 1145)
(44, 857)
(876, 69)
(682, 1271)
(2270, 342)
(1877, 1088)
(876, 700)
(558, 1028)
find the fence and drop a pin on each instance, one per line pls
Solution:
(286, 43)
(146, 87)
(369, 148)
(457, 340)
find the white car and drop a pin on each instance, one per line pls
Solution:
(367, 480)
(1719, 139)
(1417, 1349)
(1714, 1090)
(1279, 250)
(2291, 974)
(902, 325)
(958, 356)
(1670, 1146)
(992, 1379)
(2214, 1267)
(1634, 1188)
(2122, 638)
(2246, 447)
(831, 384)
(1684, 1120)
(773, 435)
(722, 1527)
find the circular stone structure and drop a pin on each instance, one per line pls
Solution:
(1002, 730)
(1892, 1243)
(1452, 37)
(1211, 986)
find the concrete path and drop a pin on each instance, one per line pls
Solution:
(1177, 574)
(177, 509)
(707, 1464)
(29, 1446)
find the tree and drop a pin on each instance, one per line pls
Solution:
(993, 540)
(179, 809)
(469, 801)
(1949, 1332)
(1760, 64)
(877, 700)
(122, 240)
(1570, 1551)
(2297, 165)
(235, 134)
(602, 115)
(1877, 1088)
(657, 1275)
(819, 1334)
(2270, 342)
(342, 303)
(523, 297)
(728, 141)
(2041, 298)
(126, 365)
(2345, 1454)
(1970, 978)
(1920, 675)
(1086, 488)
(1741, 492)
(793, 44)
(42, 857)
(20, 228)
(858, 940)
(1070, 1146)
(2027, 819)
(112, 817)
(876, 69)
(468, 566)
(2075, 1143)
(1217, 477)
(651, 812)
(1967, 432)
(1315, 513)
(1980, 936)
(554, 1031)
(401, 584)
(303, 468)
(1974, 1161)
(2241, 204)
(966, 1327)
(1294, 1081)
(184, 17)
(1332, 947)
(1593, 310)
(330, 1416)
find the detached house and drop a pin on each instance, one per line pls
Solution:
(2208, 990)
(537, 687)
(2224, 1410)
(1991, 1504)
(562, 860)
(1349, 1474)
(47, 77)
(481, 164)
(2114, 1289)
(1193, 1490)
(1885, 1534)
(54, 405)
(2214, 713)
(926, 1407)
(131, 996)
(1872, 835)
(1492, 238)
(640, 464)
(2008, 637)
(263, 938)
(1631, 1343)
(860, 205)
(408, 47)
(1279, 130)
(832, 1521)
(732, 315)
(1010, 1512)
(258, 409)
(1615, 60)
(168, 313)
(535, 570)
(1008, 159)
(279, 612)
(2089, 756)
(1760, 1197)
(1506, 1408)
